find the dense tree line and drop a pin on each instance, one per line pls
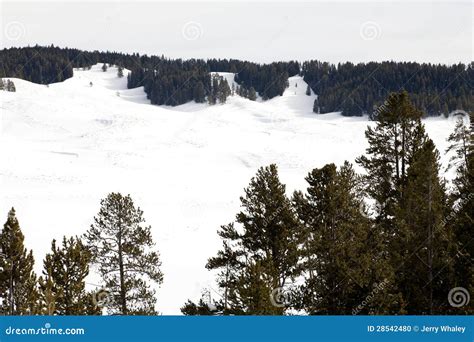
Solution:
(117, 244)
(354, 89)
(166, 81)
(357, 89)
(327, 251)
(269, 80)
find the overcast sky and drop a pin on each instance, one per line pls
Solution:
(427, 31)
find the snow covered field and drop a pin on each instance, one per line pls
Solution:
(66, 146)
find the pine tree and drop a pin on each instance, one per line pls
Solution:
(261, 255)
(459, 142)
(65, 270)
(308, 90)
(104, 67)
(393, 143)
(316, 108)
(10, 86)
(425, 270)
(223, 90)
(460, 218)
(17, 278)
(211, 99)
(252, 94)
(199, 93)
(121, 247)
(120, 71)
(342, 256)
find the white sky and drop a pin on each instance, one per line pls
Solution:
(337, 31)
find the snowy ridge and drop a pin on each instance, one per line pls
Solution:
(66, 145)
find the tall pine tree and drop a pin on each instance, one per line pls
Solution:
(461, 217)
(260, 253)
(342, 256)
(425, 269)
(122, 249)
(393, 143)
(17, 278)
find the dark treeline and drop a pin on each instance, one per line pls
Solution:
(327, 251)
(166, 81)
(354, 89)
(357, 89)
(269, 80)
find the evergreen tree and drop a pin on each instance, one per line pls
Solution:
(244, 92)
(121, 247)
(342, 256)
(308, 90)
(252, 95)
(425, 270)
(120, 71)
(316, 108)
(215, 85)
(211, 99)
(104, 67)
(459, 142)
(199, 93)
(461, 219)
(17, 278)
(10, 86)
(65, 270)
(261, 255)
(393, 143)
(223, 90)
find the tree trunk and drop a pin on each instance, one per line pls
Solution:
(430, 243)
(123, 299)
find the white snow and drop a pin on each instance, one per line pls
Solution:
(66, 146)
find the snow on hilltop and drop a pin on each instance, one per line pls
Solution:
(66, 145)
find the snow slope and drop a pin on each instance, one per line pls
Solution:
(64, 147)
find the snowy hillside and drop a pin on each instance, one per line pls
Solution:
(66, 146)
